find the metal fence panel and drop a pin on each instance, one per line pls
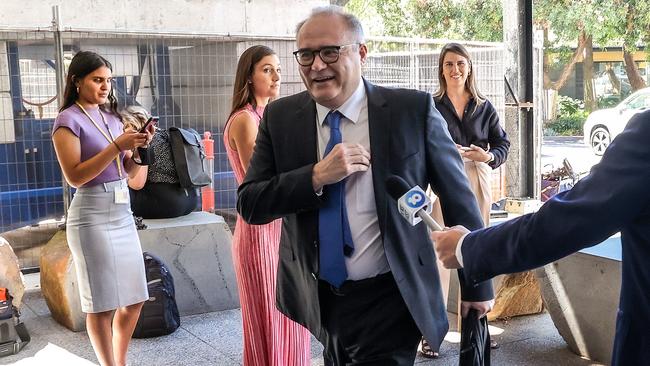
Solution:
(185, 79)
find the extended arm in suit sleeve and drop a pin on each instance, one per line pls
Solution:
(266, 194)
(610, 199)
(446, 175)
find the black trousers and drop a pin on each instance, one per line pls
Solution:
(366, 322)
(163, 200)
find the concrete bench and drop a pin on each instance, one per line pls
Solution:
(581, 293)
(195, 247)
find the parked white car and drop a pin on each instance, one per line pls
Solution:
(603, 125)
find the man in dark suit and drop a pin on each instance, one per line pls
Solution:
(613, 197)
(351, 270)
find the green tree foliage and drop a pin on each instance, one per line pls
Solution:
(569, 26)
(477, 20)
(631, 23)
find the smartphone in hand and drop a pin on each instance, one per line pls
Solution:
(151, 120)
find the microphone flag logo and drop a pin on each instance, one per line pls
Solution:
(415, 199)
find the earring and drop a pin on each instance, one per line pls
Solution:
(250, 82)
(77, 90)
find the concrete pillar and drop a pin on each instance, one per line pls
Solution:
(522, 179)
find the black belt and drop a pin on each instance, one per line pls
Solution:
(354, 287)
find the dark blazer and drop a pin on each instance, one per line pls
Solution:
(408, 137)
(480, 126)
(613, 197)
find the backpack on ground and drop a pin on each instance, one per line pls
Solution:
(13, 333)
(189, 155)
(159, 315)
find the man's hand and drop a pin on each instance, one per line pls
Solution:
(342, 161)
(482, 307)
(445, 244)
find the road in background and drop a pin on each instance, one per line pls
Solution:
(556, 148)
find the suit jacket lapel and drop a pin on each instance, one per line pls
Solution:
(379, 129)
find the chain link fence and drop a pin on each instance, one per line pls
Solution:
(186, 80)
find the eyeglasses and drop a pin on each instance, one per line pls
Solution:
(328, 54)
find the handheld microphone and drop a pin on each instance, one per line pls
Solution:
(413, 203)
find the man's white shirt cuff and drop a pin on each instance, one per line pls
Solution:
(459, 252)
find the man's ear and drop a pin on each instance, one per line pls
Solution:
(363, 52)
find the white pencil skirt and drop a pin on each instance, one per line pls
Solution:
(106, 249)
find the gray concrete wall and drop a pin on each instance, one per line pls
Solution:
(267, 17)
(581, 294)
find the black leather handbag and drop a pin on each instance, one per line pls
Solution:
(474, 341)
(189, 157)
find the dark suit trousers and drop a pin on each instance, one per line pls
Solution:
(366, 322)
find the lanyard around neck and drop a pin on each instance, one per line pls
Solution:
(109, 136)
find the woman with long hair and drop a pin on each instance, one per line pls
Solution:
(270, 338)
(474, 126)
(95, 155)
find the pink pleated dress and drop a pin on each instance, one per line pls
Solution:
(270, 338)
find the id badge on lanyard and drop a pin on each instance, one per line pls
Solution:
(121, 195)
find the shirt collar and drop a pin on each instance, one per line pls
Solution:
(350, 109)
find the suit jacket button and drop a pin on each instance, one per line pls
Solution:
(315, 243)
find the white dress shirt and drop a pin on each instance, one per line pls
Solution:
(368, 259)
(459, 251)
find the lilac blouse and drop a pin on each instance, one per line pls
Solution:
(92, 141)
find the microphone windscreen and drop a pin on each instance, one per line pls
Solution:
(396, 186)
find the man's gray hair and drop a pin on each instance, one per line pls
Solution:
(352, 22)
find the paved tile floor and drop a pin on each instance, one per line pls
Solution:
(215, 339)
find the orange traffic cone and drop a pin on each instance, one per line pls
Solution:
(207, 192)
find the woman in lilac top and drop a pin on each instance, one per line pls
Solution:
(95, 156)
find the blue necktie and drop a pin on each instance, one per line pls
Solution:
(333, 226)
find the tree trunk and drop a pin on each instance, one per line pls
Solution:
(588, 73)
(566, 71)
(613, 79)
(633, 75)
(546, 62)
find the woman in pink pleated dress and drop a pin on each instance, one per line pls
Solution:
(270, 338)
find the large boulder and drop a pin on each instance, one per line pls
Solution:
(59, 283)
(10, 275)
(516, 294)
